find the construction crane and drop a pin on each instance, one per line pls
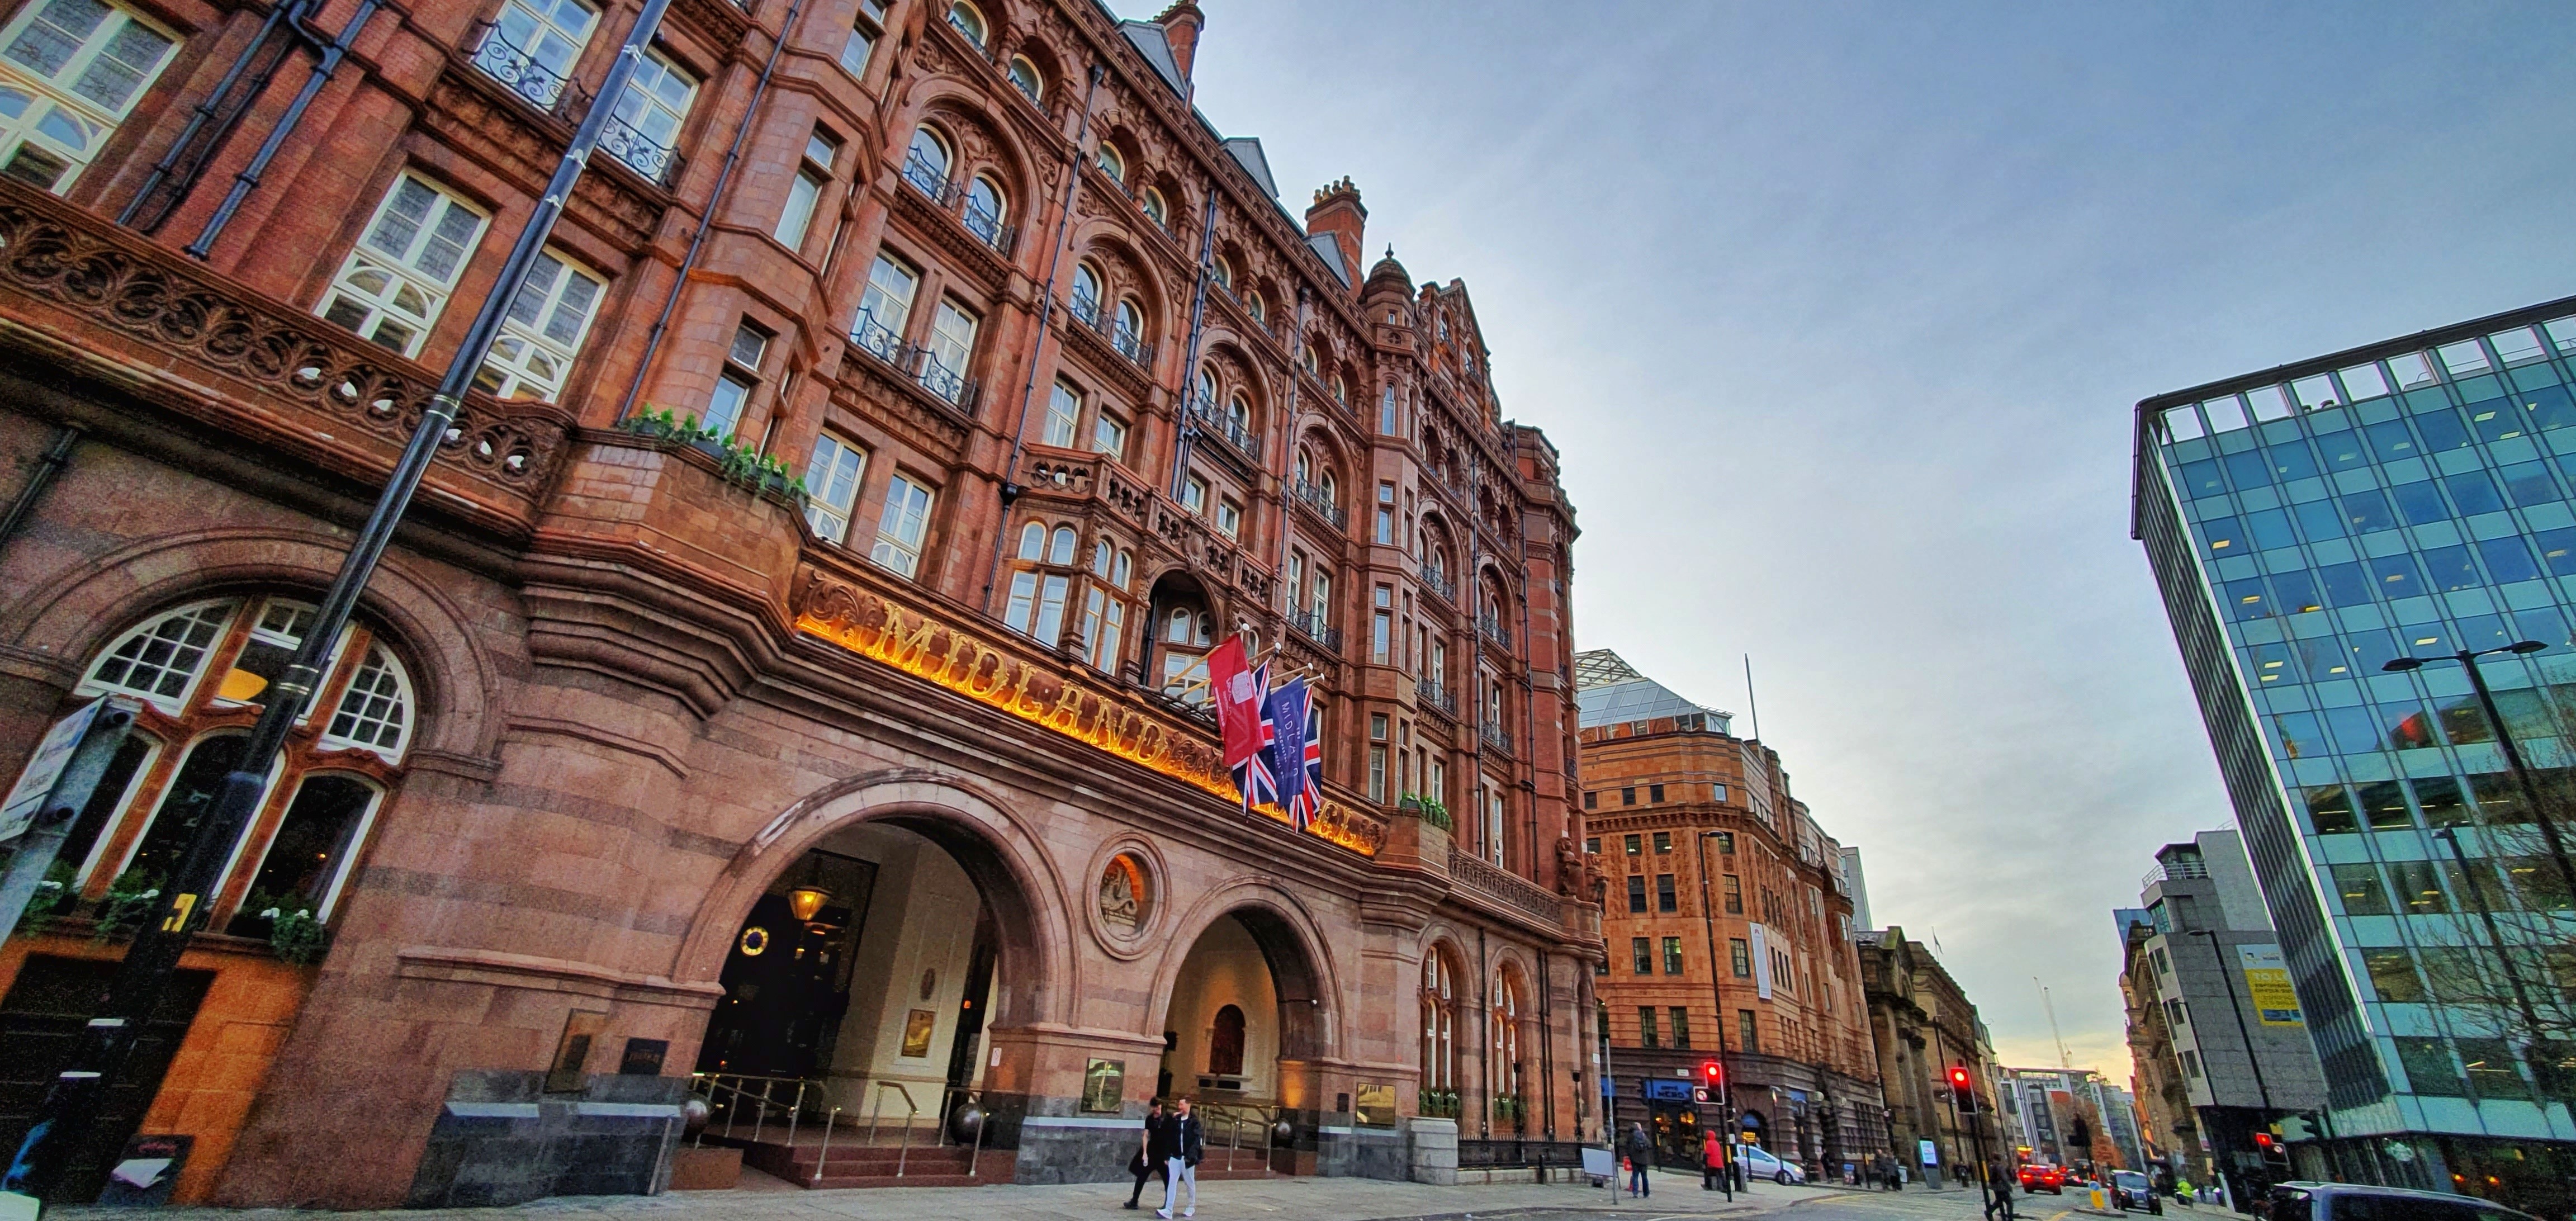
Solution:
(2063, 1060)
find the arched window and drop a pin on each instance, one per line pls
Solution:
(1032, 542)
(1186, 631)
(1332, 495)
(1036, 606)
(1111, 162)
(201, 667)
(986, 208)
(1439, 1030)
(1026, 78)
(1341, 390)
(1238, 412)
(1305, 465)
(1155, 209)
(966, 19)
(1206, 397)
(1225, 1043)
(1506, 1025)
(1253, 305)
(1086, 293)
(1061, 551)
(926, 165)
(1128, 334)
(1222, 272)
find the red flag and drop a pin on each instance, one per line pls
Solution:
(1238, 701)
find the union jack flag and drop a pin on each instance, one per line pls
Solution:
(1309, 800)
(1253, 777)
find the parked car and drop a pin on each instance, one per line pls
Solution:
(2303, 1201)
(1757, 1163)
(2040, 1176)
(2130, 1189)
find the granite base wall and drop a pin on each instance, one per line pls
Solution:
(1432, 1149)
(1059, 1144)
(500, 1139)
(1363, 1153)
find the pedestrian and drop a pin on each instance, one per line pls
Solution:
(1712, 1162)
(1183, 1144)
(1145, 1166)
(1639, 1149)
(2001, 1207)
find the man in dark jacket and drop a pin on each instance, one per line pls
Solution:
(1181, 1144)
(1145, 1166)
(1640, 1151)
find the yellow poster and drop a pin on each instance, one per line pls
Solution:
(2267, 984)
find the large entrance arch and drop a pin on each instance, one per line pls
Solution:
(1244, 1027)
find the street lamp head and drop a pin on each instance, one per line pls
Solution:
(2525, 646)
(2400, 665)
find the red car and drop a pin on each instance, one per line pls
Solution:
(2039, 1176)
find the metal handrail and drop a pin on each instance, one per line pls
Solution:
(912, 1112)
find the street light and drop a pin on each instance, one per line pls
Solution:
(2468, 659)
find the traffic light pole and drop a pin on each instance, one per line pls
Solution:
(62, 1124)
(1725, 1096)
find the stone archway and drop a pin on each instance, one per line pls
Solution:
(1247, 1021)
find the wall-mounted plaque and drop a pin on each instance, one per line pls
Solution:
(1374, 1105)
(643, 1057)
(572, 1052)
(916, 1032)
(1104, 1085)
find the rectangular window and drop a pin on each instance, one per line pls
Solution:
(1732, 887)
(394, 283)
(1377, 774)
(1194, 494)
(1726, 843)
(1637, 893)
(1740, 956)
(1665, 899)
(864, 30)
(646, 126)
(1628, 797)
(1635, 845)
(1108, 436)
(532, 46)
(1646, 1026)
(832, 486)
(77, 66)
(905, 522)
(804, 190)
(1591, 800)
(885, 309)
(1655, 793)
(1748, 1035)
(1386, 412)
(1641, 950)
(1381, 636)
(1663, 842)
(1064, 413)
(1229, 518)
(1592, 845)
(1681, 1028)
(1104, 628)
(725, 404)
(952, 344)
(542, 332)
(1386, 527)
(1672, 955)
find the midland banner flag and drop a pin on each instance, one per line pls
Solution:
(1287, 714)
(1238, 701)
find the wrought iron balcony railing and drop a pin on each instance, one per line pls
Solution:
(987, 226)
(1438, 583)
(878, 340)
(928, 179)
(518, 70)
(1494, 735)
(1313, 496)
(1311, 625)
(1227, 428)
(1438, 698)
(949, 384)
(658, 163)
(1492, 629)
(1085, 308)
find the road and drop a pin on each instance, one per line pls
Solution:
(1810, 1204)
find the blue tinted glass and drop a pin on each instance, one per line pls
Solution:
(2223, 536)
(2347, 584)
(2296, 592)
(2528, 483)
(2372, 650)
(2474, 493)
(2441, 430)
(2407, 726)
(2300, 738)
(2291, 460)
(2245, 599)
(2509, 560)
(2548, 407)
(2394, 576)
(2558, 550)
(2543, 624)
(2426, 639)
(2495, 419)
(2419, 502)
(2249, 469)
(2355, 730)
(2200, 479)
(2367, 510)
(2450, 568)
(2267, 662)
(2271, 528)
(2342, 451)
(2389, 440)
(2319, 519)
(2483, 632)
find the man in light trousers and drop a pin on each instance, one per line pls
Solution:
(1181, 1144)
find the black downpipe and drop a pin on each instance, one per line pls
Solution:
(1185, 430)
(323, 69)
(48, 465)
(707, 221)
(1046, 317)
(205, 113)
(1288, 452)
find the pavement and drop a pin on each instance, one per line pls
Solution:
(761, 1198)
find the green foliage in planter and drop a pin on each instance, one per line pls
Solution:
(739, 464)
(1437, 815)
(53, 897)
(131, 899)
(1438, 1104)
(295, 935)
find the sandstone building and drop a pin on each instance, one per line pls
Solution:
(1728, 920)
(788, 673)
(1922, 1025)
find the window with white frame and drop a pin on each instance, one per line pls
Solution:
(1026, 78)
(1194, 494)
(644, 130)
(533, 44)
(542, 331)
(1386, 412)
(1036, 606)
(832, 485)
(903, 525)
(1104, 613)
(1085, 298)
(986, 210)
(952, 344)
(966, 19)
(70, 71)
(1156, 210)
(1109, 436)
(396, 280)
(885, 308)
(734, 386)
(805, 190)
(1111, 162)
(1064, 415)
(1229, 517)
(866, 26)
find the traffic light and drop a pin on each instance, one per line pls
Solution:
(2276, 1156)
(1963, 1088)
(1713, 1075)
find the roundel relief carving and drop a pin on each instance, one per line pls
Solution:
(1126, 897)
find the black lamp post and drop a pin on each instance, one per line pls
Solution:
(1717, 997)
(2468, 659)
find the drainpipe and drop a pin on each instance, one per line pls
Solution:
(324, 67)
(1485, 1034)
(48, 465)
(205, 110)
(1184, 429)
(1046, 316)
(706, 221)
(1288, 442)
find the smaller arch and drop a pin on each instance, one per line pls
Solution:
(969, 22)
(1028, 78)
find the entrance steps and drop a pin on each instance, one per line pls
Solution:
(850, 1162)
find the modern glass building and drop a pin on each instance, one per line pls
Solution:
(2307, 525)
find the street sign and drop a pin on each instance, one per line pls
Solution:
(50, 794)
(1699, 1094)
(37, 782)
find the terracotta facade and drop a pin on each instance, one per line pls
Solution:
(641, 674)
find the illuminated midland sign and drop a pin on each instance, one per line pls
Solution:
(1042, 692)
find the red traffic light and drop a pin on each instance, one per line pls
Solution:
(2263, 1141)
(1712, 1073)
(1959, 1079)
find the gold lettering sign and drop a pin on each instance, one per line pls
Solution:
(1040, 693)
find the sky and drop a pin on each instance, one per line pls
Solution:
(1838, 312)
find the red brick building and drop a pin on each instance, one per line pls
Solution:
(886, 791)
(1728, 919)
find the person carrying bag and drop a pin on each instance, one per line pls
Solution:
(1144, 1165)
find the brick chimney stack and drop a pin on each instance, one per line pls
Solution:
(1337, 211)
(1181, 25)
